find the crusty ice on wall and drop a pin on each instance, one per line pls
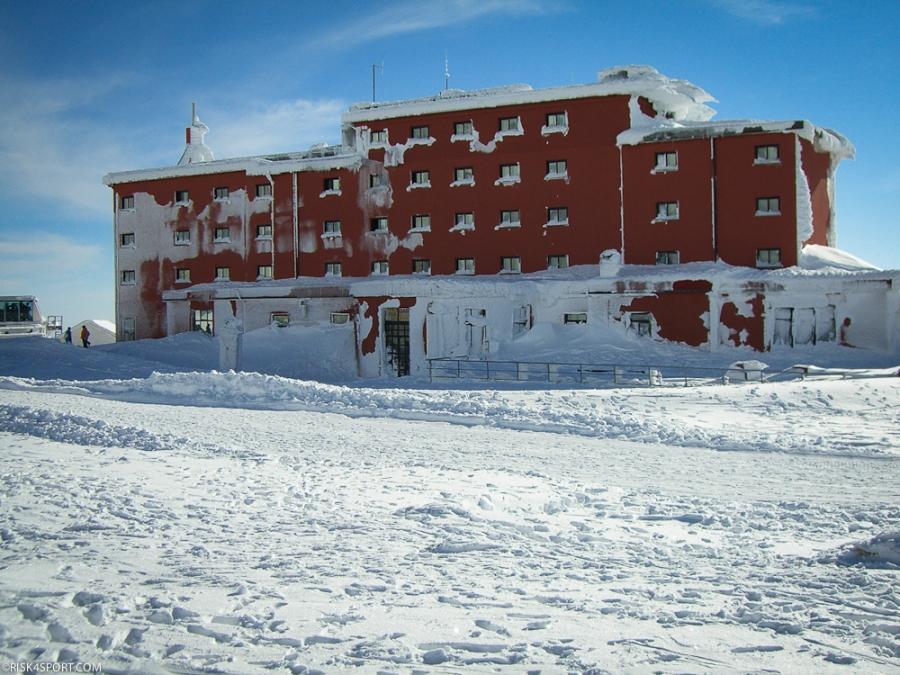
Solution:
(446, 225)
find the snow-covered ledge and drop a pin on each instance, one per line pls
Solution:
(463, 183)
(329, 193)
(463, 227)
(555, 129)
(509, 225)
(330, 235)
(557, 223)
(508, 180)
(418, 186)
(557, 176)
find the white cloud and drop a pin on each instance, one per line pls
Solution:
(766, 12)
(415, 15)
(280, 127)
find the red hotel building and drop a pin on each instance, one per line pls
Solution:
(511, 185)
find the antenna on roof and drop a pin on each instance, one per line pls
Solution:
(375, 67)
(446, 72)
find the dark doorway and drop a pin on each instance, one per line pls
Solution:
(396, 340)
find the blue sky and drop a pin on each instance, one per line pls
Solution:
(92, 87)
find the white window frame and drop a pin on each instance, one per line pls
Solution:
(182, 275)
(264, 191)
(553, 262)
(331, 229)
(766, 152)
(764, 206)
(264, 237)
(464, 220)
(668, 257)
(331, 186)
(182, 196)
(280, 319)
(221, 193)
(465, 266)
(182, 238)
(420, 179)
(333, 269)
(506, 218)
(375, 225)
(666, 161)
(419, 132)
(555, 122)
(556, 174)
(764, 255)
(509, 126)
(223, 274)
(464, 129)
(128, 330)
(511, 264)
(664, 211)
(264, 272)
(575, 318)
(340, 318)
(378, 137)
(130, 243)
(126, 203)
(421, 222)
(463, 175)
(128, 278)
(218, 238)
(554, 213)
(641, 323)
(422, 262)
(380, 268)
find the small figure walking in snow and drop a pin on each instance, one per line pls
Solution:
(85, 337)
(68, 336)
(842, 334)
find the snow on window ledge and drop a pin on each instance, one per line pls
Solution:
(128, 283)
(419, 230)
(222, 200)
(510, 132)
(462, 227)
(330, 235)
(182, 282)
(222, 279)
(764, 214)
(418, 186)
(766, 161)
(509, 272)
(378, 233)
(664, 219)
(462, 137)
(508, 180)
(463, 183)
(557, 223)
(332, 275)
(557, 176)
(183, 243)
(222, 241)
(555, 129)
(508, 226)
(328, 193)
(264, 237)
(663, 169)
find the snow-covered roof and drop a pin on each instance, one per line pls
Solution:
(315, 159)
(679, 99)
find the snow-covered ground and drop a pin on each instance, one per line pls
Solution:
(222, 522)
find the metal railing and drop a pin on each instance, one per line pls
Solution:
(600, 374)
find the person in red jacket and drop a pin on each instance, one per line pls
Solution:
(85, 337)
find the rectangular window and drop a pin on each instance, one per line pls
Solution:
(666, 161)
(575, 317)
(419, 132)
(182, 275)
(378, 224)
(380, 267)
(222, 234)
(640, 323)
(264, 190)
(667, 211)
(333, 269)
(421, 267)
(464, 174)
(557, 119)
(509, 170)
(279, 319)
(511, 264)
(340, 318)
(557, 167)
(182, 237)
(378, 136)
(263, 271)
(557, 215)
(181, 197)
(127, 239)
(463, 128)
(128, 277)
(465, 265)
(557, 262)
(128, 328)
(332, 227)
(420, 178)
(377, 180)
(331, 184)
(220, 193)
(126, 203)
(767, 154)
(421, 222)
(667, 257)
(510, 218)
(264, 231)
(768, 206)
(509, 124)
(465, 220)
(202, 320)
(768, 257)
(223, 274)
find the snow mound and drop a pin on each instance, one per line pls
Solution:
(882, 550)
(817, 257)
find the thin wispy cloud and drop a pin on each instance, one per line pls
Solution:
(412, 16)
(765, 12)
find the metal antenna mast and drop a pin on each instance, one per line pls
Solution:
(375, 67)
(446, 72)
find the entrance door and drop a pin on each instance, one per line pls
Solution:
(784, 319)
(396, 340)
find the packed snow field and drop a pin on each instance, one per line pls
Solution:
(241, 522)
